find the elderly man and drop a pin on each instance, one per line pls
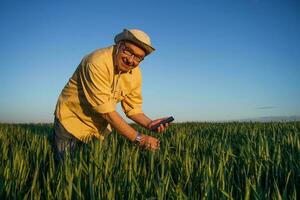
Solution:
(86, 107)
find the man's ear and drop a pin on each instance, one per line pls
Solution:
(118, 46)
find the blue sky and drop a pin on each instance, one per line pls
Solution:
(215, 60)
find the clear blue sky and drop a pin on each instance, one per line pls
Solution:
(215, 60)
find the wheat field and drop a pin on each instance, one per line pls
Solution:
(196, 161)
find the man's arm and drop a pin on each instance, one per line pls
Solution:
(121, 126)
(147, 123)
(141, 119)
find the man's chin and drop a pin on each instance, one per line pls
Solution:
(124, 69)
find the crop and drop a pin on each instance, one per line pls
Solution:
(196, 161)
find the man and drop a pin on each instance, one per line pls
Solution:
(86, 106)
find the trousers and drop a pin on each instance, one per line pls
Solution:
(63, 141)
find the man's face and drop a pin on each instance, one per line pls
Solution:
(128, 56)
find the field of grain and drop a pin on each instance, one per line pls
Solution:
(196, 161)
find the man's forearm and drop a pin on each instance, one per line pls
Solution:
(141, 119)
(121, 126)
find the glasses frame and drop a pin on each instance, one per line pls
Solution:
(129, 53)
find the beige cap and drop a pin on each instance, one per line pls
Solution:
(137, 37)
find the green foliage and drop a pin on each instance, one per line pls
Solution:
(196, 161)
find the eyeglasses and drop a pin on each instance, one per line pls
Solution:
(128, 52)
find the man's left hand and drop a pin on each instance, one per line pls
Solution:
(161, 128)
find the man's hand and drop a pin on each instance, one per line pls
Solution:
(149, 142)
(161, 128)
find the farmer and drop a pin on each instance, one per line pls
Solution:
(86, 107)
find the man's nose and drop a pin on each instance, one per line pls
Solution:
(130, 59)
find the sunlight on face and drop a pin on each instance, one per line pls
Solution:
(128, 56)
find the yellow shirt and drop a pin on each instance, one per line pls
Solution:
(96, 88)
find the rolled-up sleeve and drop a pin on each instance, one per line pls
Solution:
(97, 88)
(132, 103)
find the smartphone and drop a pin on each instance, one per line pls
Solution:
(168, 120)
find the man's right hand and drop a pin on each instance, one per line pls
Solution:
(149, 142)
